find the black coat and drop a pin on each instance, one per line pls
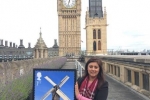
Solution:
(100, 93)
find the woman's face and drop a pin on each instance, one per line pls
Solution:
(93, 69)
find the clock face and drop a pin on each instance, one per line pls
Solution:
(69, 3)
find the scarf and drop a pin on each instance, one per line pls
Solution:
(88, 91)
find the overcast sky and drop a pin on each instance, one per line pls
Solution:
(128, 22)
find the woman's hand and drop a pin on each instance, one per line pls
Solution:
(76, 89)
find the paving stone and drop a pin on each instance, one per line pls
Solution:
(117, 91)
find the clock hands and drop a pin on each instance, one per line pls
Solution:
(69, 3)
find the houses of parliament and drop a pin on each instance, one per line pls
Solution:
(69, 34)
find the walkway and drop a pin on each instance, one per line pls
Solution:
(117, 91)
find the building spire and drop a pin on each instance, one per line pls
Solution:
(105, 10)
(105, 13)
(40, 32)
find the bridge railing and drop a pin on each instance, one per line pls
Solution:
(80, 69)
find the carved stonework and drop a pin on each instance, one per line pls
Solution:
(69, 27)
(96, 34)
(40, 49)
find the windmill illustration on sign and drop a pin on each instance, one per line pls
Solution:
(55, 90)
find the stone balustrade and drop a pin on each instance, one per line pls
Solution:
(133, 71)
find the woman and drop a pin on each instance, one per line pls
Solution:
(92, 86)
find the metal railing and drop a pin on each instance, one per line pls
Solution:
(79, 68)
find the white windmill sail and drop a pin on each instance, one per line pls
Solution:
(62, 95)
(49, 80)
(58, 91)
(48, 93)
(63, 80)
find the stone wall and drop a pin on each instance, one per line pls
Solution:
(16, 77)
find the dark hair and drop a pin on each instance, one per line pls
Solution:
(100, 75)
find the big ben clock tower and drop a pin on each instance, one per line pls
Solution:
(69, 30)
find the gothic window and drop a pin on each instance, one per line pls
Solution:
(99, 34)
(94, 46)
(94, 34)
(99, 45)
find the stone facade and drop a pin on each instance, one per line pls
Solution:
(96, 34)
(14, 53)
(69, 27)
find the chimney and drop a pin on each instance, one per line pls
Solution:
(13, 45)
(6, 43)
(55, 41)
(55, 44)
(21, 44)
(10, 44)
(29, 46)
(1, 42)
(16, 46)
